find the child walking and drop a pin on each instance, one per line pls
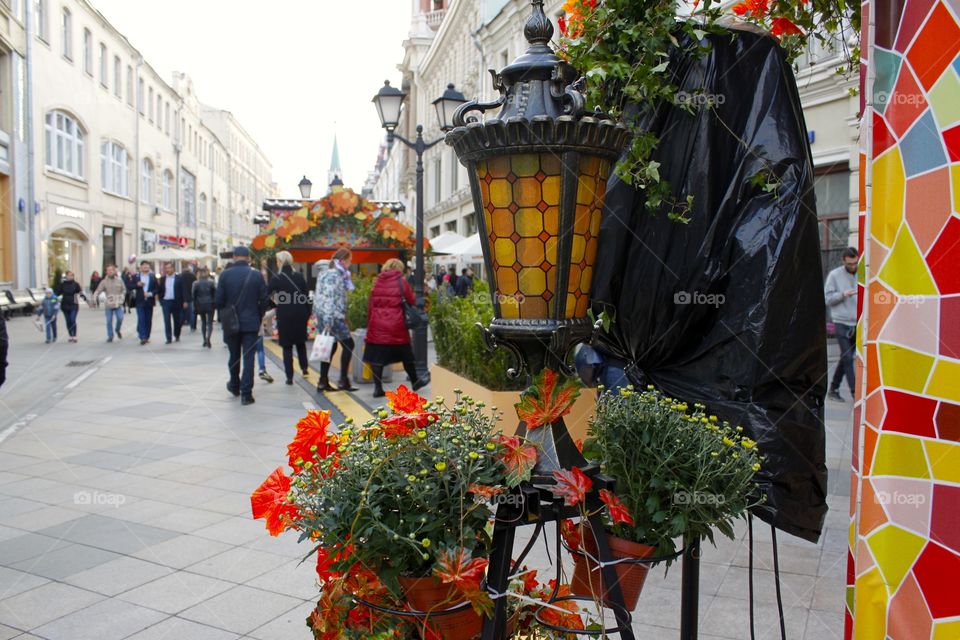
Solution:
(48, 309)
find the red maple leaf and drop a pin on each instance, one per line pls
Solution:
(618, 510)
(571, 534)
(269, 501)
(464, 572)
(311, 432)
(568, 618)
(546, 401)
(403, 424)
(519, 459)
(781, 26)
(405, 401)
(756, 8)
(530, 581)
(484, 491)
(572, 485)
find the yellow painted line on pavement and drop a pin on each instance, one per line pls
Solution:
(342, 400)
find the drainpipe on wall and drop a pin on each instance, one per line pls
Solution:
(177, 148)
(31, 185)
(138, 170)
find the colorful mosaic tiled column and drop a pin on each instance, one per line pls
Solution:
(904, 561)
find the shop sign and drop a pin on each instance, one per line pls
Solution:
(168, 241)
(69, 212)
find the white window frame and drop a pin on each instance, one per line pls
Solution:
(103, 65)
(130, 85)
(150, 104)
(202, 208)
(166, 191)
(118, 77)
(159, 111)
(88, 52)
(114, 169)
(64, 144)
(146, 181)
(40, 11)
(140, 87)
(66, 33)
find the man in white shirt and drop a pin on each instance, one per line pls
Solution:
(144, 284)
(171, 300)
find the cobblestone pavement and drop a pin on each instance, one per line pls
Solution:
(125, 476)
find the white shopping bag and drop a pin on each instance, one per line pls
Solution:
(323, 347)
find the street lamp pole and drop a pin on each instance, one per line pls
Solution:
(388, 102)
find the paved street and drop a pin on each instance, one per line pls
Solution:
(125, 475)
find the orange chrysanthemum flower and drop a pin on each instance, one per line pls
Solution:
(311, 432)
(403, 400)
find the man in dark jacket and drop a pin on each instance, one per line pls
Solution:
(171, 300)
(241, 300)
(187, 278)
(145, 287)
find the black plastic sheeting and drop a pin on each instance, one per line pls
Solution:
(728, 309)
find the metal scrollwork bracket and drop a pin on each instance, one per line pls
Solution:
(460, 117)
(491, 342)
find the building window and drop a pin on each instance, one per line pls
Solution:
(114, 169)
(832, 189)
(117, 77)
(64, 144)
(470, 221)
(202, 208)
(146, 181)
(66, 34)
(166, 118)
(159, 111)
(437, 180)
(40, 10)
(215, 212)
(166, 189)
(88, 52)
(434, 231)
(188, 187)
(103, 64)
(130, 85)
(140, 95)
(450, 226)
(150, 104)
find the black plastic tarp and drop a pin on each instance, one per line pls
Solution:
(728, 309)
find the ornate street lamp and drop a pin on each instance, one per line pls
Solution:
(305, 186)
(538, 171)
(389, 101)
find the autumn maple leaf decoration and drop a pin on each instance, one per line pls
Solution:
(405, 401)
(618, 511)
(518, 458)
(548, 399)
(269, 501)
(572, 485)
(311, 432)
(464, 572)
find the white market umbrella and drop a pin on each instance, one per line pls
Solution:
(445, 240)
(163, 254)
(469, 249)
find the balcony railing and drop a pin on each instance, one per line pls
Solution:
(434, 18)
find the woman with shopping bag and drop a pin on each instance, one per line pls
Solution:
(330, 307)
(289, 291)
(388, 339)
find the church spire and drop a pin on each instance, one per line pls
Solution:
(335, 174)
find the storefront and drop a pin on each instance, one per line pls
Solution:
(68, 245)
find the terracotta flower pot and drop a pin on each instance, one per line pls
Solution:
(587, 578)
(432, 596)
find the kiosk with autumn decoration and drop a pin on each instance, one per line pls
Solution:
(312, 230)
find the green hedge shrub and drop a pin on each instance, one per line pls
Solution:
(357, 301)
(458, 343)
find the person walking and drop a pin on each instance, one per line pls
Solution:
(145, 288)
(464, 283)
(330, 307)
(115, 290)
(241, 298)
(187, 278)
(68, 292)
(94, 283)
(388, 339)
(290, 293)
(171, 300)
(840, 294)
(204, 293)
(4, 349)
(265, 329)
(48, 309)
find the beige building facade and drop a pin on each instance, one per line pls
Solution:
(127, 162)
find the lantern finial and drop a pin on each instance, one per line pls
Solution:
(538, 29)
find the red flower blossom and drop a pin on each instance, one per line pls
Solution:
(618, 510)
(571, 534)
(756, 8)
(517, 458)
(311, 432)
(484, 491)
(781, 26)
(562, 23)
(405, 401)
(572, 485)
(269, 501)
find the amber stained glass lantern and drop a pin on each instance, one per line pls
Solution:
(538, 172)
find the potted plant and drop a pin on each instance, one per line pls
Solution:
(398, 511)
(678, 471)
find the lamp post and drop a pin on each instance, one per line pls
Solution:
(389, 101)
(305, 186)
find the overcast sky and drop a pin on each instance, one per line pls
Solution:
(291, 71)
